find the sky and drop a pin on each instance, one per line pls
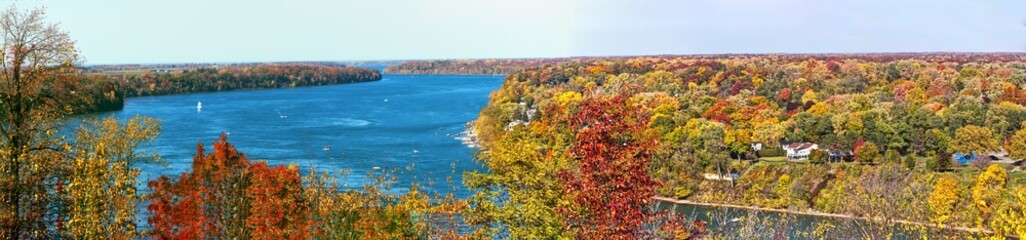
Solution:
(165, 31)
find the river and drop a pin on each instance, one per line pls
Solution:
(400, 121)
(392, 124)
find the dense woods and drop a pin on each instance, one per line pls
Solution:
(233, 78)
(886, 126)
(106, 91)
(471, 66)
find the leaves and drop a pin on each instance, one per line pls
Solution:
(943, 199)
(611, 188)
(987, 191)
(973, 139)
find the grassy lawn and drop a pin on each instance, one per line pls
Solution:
(803, 161)
(780, 160)
(773, 159)
(762, 163)
(970, 174)
(1017, 178)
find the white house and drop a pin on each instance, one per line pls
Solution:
(756, 146)
(799, 151)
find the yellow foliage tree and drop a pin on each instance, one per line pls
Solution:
(943, 198)
(987, 191)
(101, 189)
(1012, 218)
(810, 96)
(566, 98)
(1017, 144)
(528, 179)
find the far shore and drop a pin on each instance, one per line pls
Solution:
(819, 214)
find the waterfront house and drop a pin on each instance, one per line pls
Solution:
(799, 151)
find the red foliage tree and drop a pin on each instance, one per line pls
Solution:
(785, 94)
(227, 196)
(719, 112)
(611, 188)
(277, 210)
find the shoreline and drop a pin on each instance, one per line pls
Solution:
(819, 214)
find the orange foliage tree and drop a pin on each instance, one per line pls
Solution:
(227, 196)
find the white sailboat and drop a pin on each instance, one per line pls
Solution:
(199, 106)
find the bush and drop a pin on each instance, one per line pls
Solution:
(817, 156)
(910, 162)
(892, 156)
(772, 152)
(867, 153)
(941, 162)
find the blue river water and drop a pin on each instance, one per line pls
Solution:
(404, 123)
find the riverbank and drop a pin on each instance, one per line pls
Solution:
(823, 215)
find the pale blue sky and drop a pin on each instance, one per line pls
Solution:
(132, 31)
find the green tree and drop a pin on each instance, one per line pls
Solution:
(910, 162)
(708, 137)
(972, 139)
(892, 156)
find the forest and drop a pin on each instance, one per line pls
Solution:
(713, 130)
(106, 90)
(472, 66)
(234, 78)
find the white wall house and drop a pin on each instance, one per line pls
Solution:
(799, 151)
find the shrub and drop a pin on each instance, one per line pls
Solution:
(910, 162)
(867, 153)
(892, 156)
(817, 156)
(942, 161)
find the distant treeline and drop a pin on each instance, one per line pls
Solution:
(507, 66)
(472, 66)
(97, 94)
(165, 67)
(104, 91)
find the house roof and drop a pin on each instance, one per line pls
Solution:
(800, 146)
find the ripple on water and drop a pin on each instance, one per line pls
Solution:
(294, 125)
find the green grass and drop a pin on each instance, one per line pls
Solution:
(1017, 179)
(773, 159)
(770, 163)
(803, 161)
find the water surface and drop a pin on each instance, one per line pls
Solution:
(394, 123)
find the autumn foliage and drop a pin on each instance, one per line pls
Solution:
(227, 196)
(716, 119)
(611, 188)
